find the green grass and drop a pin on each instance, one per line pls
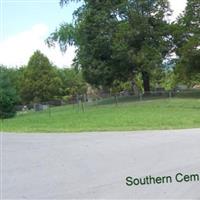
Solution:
(143, 115)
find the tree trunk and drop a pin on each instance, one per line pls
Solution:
(146, 81)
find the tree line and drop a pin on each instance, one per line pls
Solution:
(39, 81)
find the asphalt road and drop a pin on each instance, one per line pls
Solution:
(95, 165)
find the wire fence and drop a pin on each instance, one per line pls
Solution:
(84, 100)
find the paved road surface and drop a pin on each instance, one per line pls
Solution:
(95, 165)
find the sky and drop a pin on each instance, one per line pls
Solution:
(25, 24)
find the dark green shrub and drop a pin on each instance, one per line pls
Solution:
(8, 95)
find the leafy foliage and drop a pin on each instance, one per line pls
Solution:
(72, 82)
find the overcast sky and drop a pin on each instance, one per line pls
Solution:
(25, 24)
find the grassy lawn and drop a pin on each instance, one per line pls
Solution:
(143, 115)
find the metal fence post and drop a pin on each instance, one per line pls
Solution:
(140, 95)
(49, 110)
(170, 94)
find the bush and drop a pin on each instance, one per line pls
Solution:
(8, 95)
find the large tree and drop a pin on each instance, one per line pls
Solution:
(117, 39)
(143, 38)
(40, 82)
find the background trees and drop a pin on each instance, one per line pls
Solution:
(38, 82)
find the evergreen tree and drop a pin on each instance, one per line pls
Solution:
(40, 82)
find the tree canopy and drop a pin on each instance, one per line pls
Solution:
(117, 39)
